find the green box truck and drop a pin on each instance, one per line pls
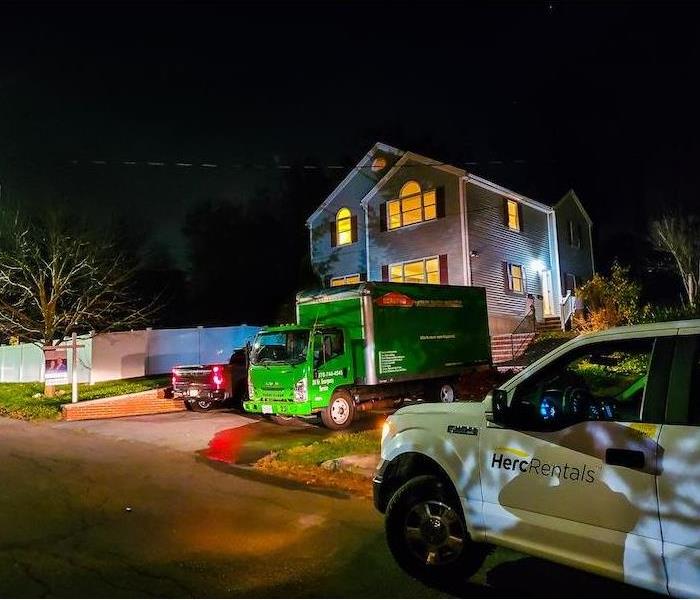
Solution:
(359, 346)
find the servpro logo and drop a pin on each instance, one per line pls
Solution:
(524, 464)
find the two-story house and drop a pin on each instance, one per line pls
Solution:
(400, 216)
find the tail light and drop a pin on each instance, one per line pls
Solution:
(217, 375)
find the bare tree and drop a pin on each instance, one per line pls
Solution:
(57, 278)
(679, 236)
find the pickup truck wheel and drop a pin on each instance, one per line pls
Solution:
(202, 405)
(427, 535)
(340, 411)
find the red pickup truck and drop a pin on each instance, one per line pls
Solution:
(203, 387)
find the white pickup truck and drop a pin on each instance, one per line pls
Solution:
(589, 457)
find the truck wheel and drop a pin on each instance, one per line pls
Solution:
(427, 535)
(340, 412)
(202, 405)
(445, 392)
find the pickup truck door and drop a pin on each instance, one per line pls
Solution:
(584, 492)
(679, 473)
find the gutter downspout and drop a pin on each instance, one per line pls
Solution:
(367, 265)
(464, 222)
(554, 243)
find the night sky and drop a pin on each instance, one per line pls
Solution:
(539, 97)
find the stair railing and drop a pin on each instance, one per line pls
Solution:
(568, 307)
(526, 325)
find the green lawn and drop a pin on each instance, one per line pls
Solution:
(17, 400)
(334, 446)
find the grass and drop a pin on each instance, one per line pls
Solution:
(303, 462)
(27, 401)
(335, 446)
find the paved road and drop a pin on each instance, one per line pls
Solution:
(92, 511)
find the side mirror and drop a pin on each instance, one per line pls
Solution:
(499, 406)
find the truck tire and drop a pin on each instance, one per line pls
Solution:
(427, 534)
(340, 411)
(202, 405)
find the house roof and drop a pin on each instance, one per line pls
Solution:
(571, 194)
(405, 156)
(364, 162)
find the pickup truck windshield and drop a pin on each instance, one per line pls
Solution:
(280, 347)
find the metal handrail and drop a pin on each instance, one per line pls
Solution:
(528, 318)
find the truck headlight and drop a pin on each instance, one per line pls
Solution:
(300, 391)
(387, 430)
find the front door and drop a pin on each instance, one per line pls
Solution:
(572, 472)
(547, 294)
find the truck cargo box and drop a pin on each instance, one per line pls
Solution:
(404, 331)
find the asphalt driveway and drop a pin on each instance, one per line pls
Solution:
(184, 431)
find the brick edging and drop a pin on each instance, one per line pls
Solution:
(147, 402)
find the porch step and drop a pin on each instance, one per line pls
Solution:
(506, 347)
(549, 324)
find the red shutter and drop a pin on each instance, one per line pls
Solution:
(334, 234)
(506, 278)
(382, 217)
(440, 202)
(443, 269)
(385, 272)
(520, 217)
(353, 229)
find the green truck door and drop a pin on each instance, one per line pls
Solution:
(332, 364)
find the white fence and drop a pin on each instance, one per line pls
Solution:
(130, 353)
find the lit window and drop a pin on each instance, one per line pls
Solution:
(513, 215)
(516, 279)
(343, 227)
(345, 280)
(412, 206)
(425, 270)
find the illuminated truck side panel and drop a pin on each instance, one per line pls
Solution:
(410, 331)
(440, 331)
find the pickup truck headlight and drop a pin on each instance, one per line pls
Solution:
(388, 430)
(300, 392)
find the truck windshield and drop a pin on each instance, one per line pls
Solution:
(280, 347)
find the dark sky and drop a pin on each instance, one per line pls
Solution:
(539, 96)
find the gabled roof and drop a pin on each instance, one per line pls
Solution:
(405, 156)
(365, 161)
(499, 189)
(571, 194)
(401, 162)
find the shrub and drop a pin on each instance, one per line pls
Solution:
(610, 301)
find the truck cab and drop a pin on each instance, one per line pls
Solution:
(294, 371)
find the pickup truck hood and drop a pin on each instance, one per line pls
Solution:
(465, 410)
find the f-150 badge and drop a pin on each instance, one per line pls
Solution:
(462, 429)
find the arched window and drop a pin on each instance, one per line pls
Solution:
(413, 206)
(343, 227)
